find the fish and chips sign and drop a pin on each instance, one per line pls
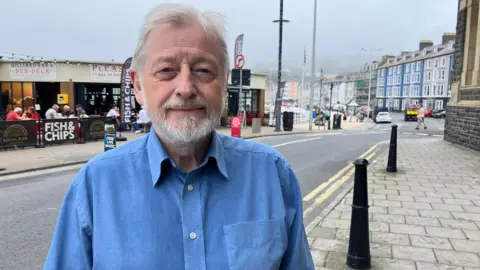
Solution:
(105, 73)
(32, 71)
(58, 131)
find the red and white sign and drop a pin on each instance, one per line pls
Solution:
(236, 126)
(32, 71)
(239, 61)
(105, 73)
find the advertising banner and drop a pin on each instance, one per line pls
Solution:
(57, 131)
(238, 47)
(93, 128)
(15, 134)
(126, 92)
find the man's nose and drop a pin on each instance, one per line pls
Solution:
(185, 86)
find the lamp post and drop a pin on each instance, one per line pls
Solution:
(310, 106)
(371, 50)
(278, 100)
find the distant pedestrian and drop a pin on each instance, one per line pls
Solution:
(421, 118)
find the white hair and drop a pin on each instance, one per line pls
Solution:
(181, 15)
(18, 110)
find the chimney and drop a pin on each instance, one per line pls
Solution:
(447, 37)
(424, 44)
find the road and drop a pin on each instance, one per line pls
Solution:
(29, 206)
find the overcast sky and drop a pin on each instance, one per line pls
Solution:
(107, 29)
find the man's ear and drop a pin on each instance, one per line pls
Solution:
(135, 78)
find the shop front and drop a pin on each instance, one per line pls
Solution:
(252, 98)
(41, 84)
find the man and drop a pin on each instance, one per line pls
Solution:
(80, 112)
(184, 196)
(15, 115)
(142, 119)
(52, 113)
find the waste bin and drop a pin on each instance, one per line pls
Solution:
(288, 121)
(337, 119)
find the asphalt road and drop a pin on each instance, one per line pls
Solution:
(29, 206)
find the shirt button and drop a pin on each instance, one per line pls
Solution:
(193, 235)
(190, 188)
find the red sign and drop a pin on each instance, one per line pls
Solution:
(236, 126)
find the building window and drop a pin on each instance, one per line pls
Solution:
(426, 90)
(380, 103)
(418, 66)
(396, 104)
(414, 91)
(379, 92)
(417, 77)
(405, 91)
(441, 90)
(399, 69)
(444, 61)
(442, 74)
(407, 67)
(435, 75)
(429, 64)
(389, 91)
(438, 104)
(435, 63)
(406, 78)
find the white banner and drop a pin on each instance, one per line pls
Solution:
(105, 73)
(32, 71)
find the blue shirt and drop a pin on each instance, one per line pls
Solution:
(132, 208)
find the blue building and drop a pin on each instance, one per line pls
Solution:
(421, 76)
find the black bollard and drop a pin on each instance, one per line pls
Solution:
(358, 256)
(392, 154)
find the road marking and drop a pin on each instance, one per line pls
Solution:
(322, 186)
(314, 135)
(297, 141)
(332, 189)
(437, 135)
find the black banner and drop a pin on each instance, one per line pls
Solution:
(93, 128)
(56, 131)
(17, 134)
(126, 92)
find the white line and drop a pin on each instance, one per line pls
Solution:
(437, 135)
(422, 134)
(313, 135)
(407, 133)
(298, 141)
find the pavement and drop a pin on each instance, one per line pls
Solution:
(31, 159)
(425, 216)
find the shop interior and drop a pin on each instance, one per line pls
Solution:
(16, 94)
(249, 101)
(46, 96)
(97, 99)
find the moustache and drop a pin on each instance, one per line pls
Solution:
(182, 104)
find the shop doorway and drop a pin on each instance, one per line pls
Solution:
(46, 95)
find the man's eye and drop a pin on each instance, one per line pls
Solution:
(166, 70)
(203, 70)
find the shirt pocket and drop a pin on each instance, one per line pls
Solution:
(255, 245)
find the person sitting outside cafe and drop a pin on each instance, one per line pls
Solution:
(80, 112)
(115, 114)
(142, 120)
(15, 115)
(31, 114)
(52, 113)
(66, 111)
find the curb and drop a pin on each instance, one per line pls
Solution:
(44, 168)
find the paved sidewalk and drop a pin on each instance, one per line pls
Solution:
(31, 159)
(426, 216)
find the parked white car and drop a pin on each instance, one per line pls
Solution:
(383, 117)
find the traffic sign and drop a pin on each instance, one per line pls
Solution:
(240, 61)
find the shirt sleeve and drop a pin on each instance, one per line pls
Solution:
(297, 255)
(71, 246)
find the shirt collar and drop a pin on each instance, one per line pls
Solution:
(157, 155)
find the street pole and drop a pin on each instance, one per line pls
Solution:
(278, 101)
(369, 85)
(240, 99)
(310, 106)
(303, 86)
